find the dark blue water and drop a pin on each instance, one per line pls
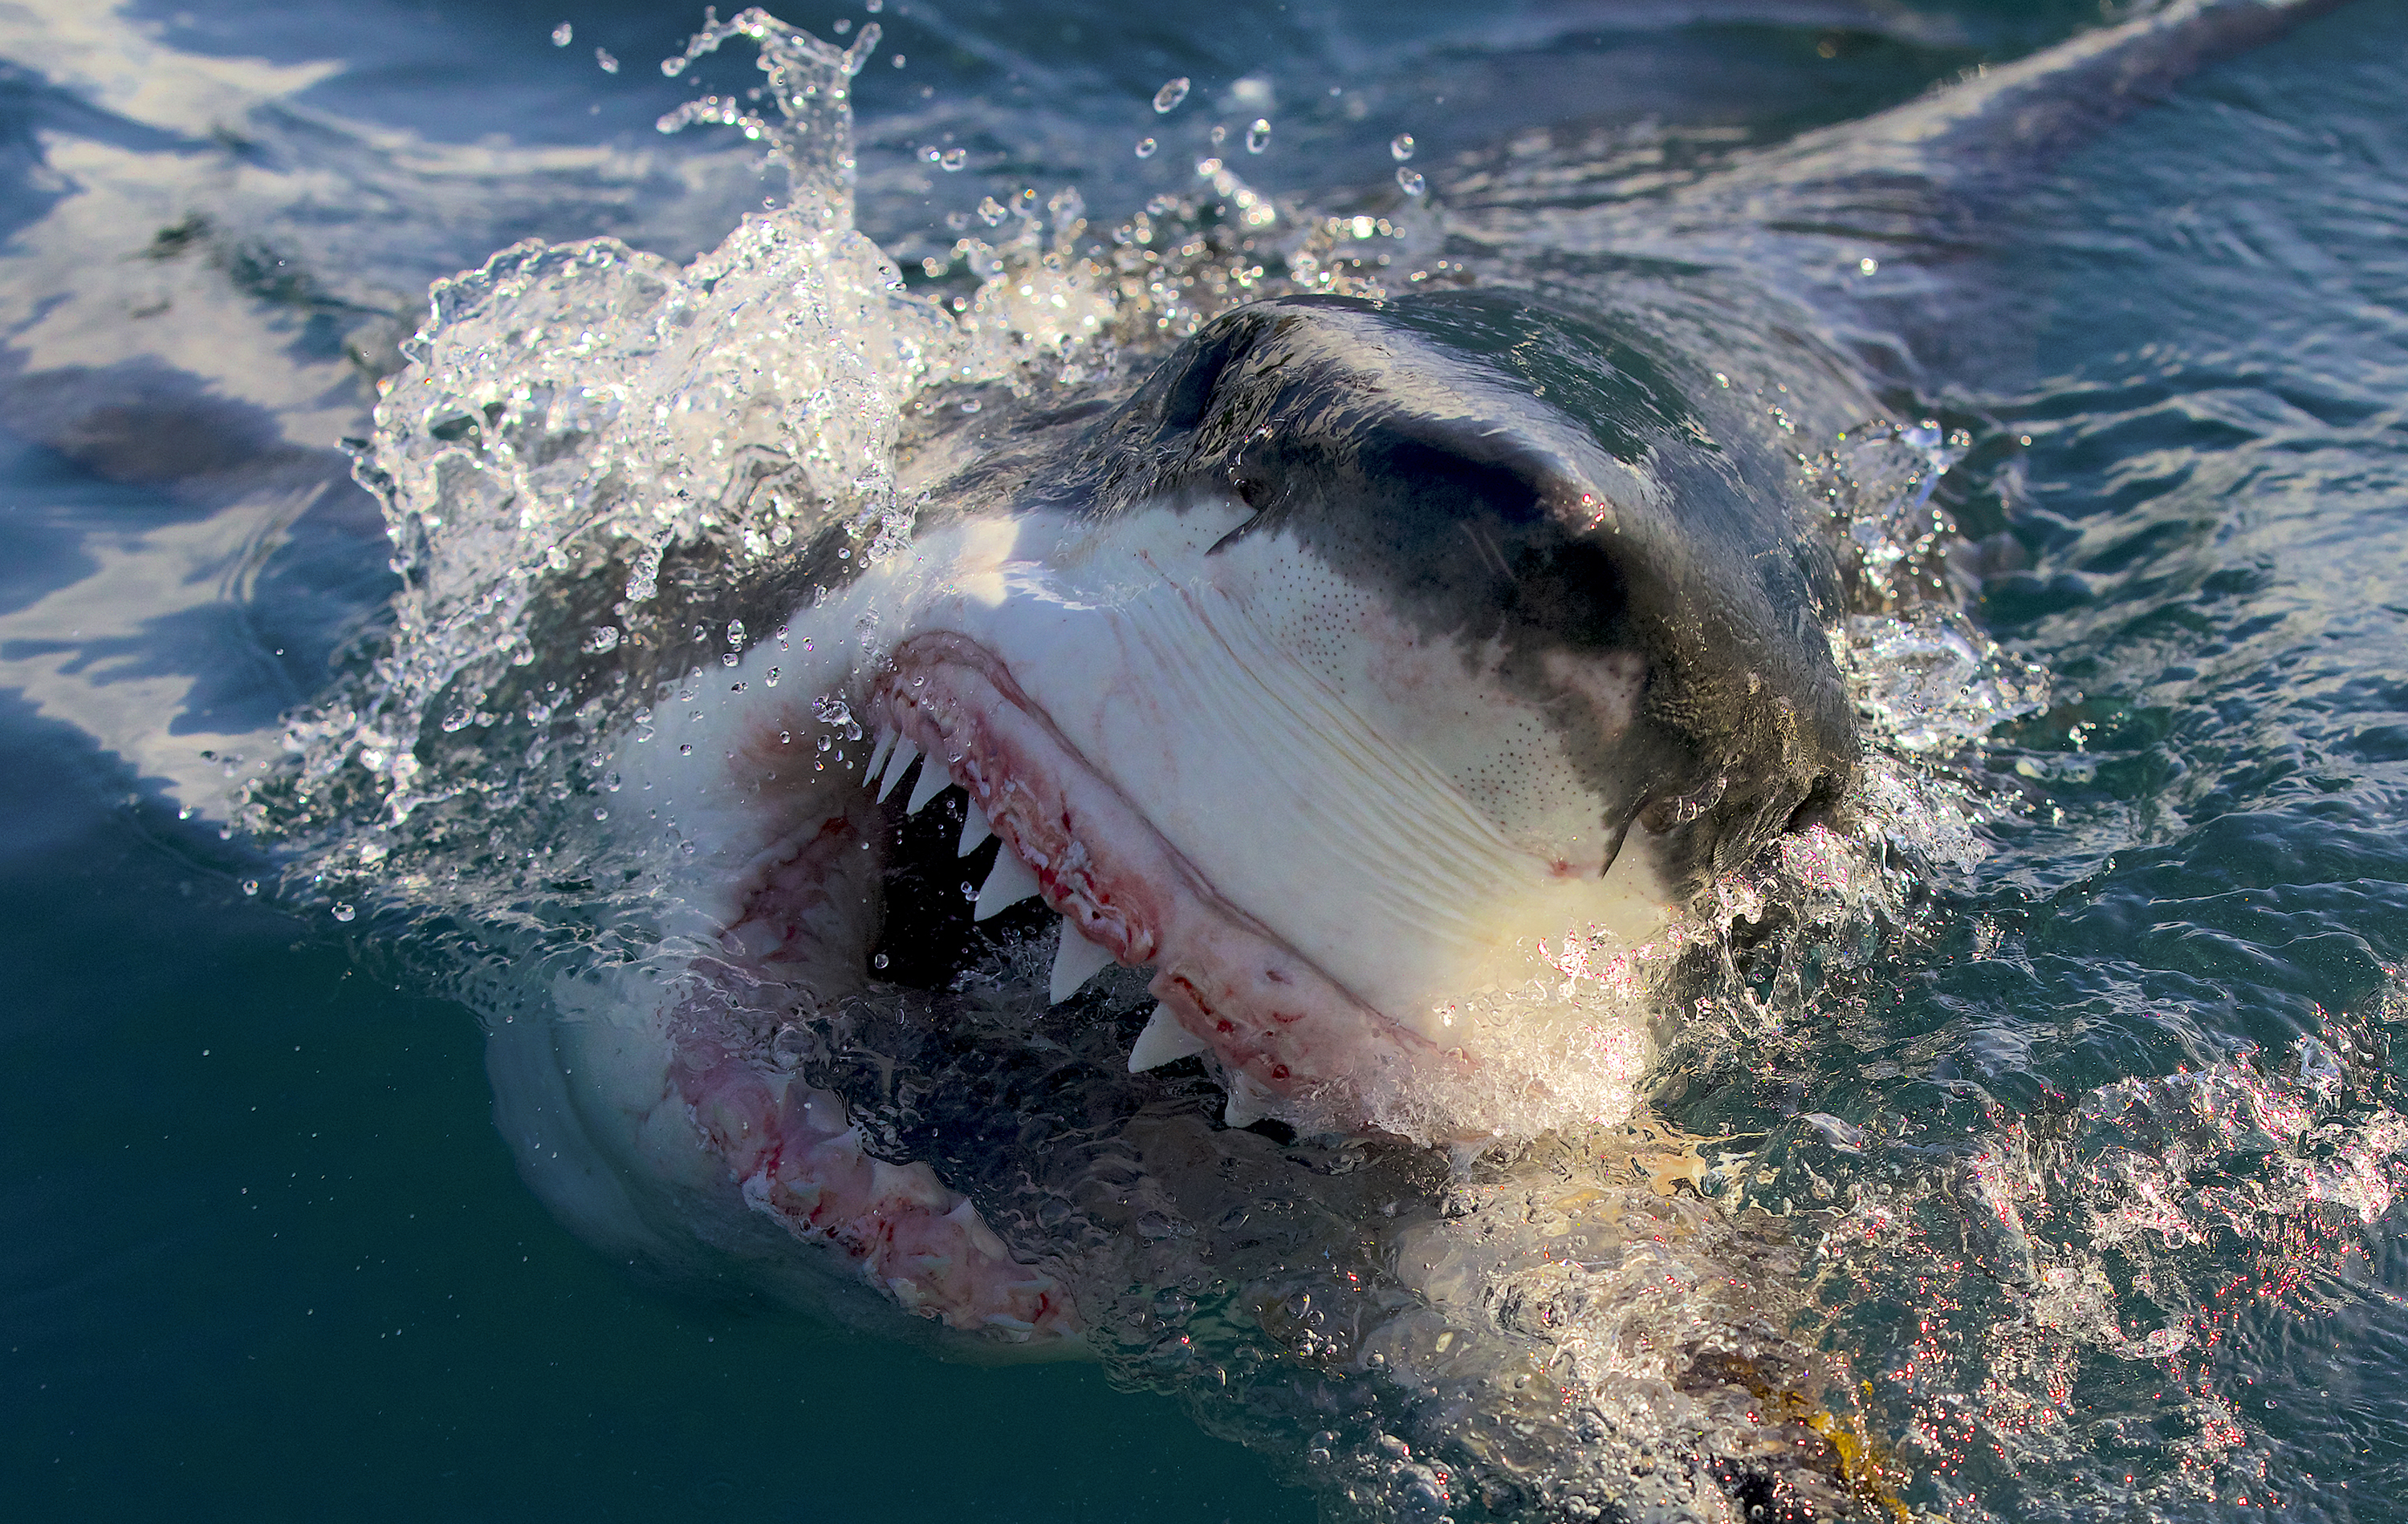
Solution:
(266, 1256)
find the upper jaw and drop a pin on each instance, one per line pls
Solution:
(1225, 979)
(1295, 1037)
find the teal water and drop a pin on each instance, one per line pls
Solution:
(266, 1255)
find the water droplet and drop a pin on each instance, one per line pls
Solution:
(1258, 137)
(609, 64)
(873, 6)
(1410, 182)
(843, 25)
(1867, 266)
(343, 911)
(563, 35)
(827, 742)
(601, 814)
(1170, 95)
(880, 962)
(612, 782)
(1145, 146)
(1400, 146)
(897, 61)
(772, 678)
(954, 160)
(685, 749)
(1220, 133)
(969, 891)
(250, 886)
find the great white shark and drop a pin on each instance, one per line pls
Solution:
(1349, 671)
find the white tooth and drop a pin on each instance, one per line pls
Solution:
(935, 778)
(1162, 1041)
(1075, 961)
(896, 765)
(1011, 882)
(975, 831)
(877, 758)
(1248, 1102)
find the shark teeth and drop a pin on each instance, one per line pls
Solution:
(877, 758)
(975, 831)
(1009, 882)
(898, 763)
(934, 779)
(1162, 1041)
(1075, 961)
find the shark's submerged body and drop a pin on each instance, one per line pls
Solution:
(1144, 912)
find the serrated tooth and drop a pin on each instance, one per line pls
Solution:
(877, 756)
(975, 831)
(1009, 882)
(1075, 961)
(935, 778)
(1248, 1102)
(1162, 1041)
(898, 763)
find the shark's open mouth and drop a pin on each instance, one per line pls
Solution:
(1226, 983)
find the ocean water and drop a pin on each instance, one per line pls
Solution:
(2099, 1133)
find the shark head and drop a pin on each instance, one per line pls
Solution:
(1362, 655)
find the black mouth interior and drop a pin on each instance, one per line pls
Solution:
(927, 940)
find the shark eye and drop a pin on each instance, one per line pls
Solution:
(1188, 394)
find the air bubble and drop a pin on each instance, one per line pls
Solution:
(563, 35)
(1220, 133)
(1145, 146)
(1258, 137)
(612, 782)
(600, 813)
(1410, 182)
(601, 639)
(250, 886)
(880, 962)
(1166, 99)
(953, 160)
(343, 911)
(609, 64)
(989, 211)
(1400, 147)
(790, 1046)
